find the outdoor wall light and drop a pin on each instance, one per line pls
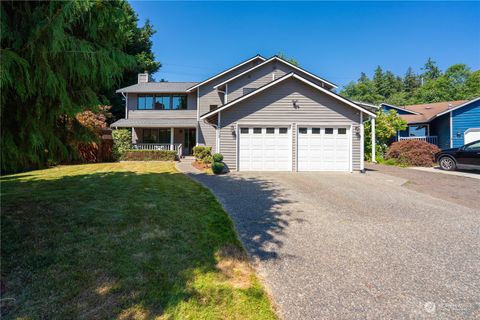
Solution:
(295, 105)
(459, 134)
(357, 130)
(232, 128)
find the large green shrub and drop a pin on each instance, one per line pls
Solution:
(122, 142)
(217, 167)
(149, 155)
(217, 157)
(202, 153)
(413, 153)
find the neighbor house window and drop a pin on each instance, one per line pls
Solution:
(270, 130)
(418, 130)
(315, 130)
(145, 102)
(328, 130)
(302, 130)
(342, 131)
(257, 130)
(283, 130)
(244, 130)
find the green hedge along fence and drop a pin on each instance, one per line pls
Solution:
(149, 155)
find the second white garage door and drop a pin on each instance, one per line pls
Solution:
(265, 149)
(323, 149)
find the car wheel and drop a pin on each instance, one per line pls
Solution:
(447, 163)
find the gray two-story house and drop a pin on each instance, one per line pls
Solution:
(262, 114)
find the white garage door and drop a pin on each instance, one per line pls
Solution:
(265, 148)
(323, 149)
(472, 134)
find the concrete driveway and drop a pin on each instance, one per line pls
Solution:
(350, 245)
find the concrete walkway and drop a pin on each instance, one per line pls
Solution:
(474, 174)
(354, 246)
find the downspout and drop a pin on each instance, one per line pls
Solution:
(125, 96)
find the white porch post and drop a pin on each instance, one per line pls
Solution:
(172, 131)
(373, 139)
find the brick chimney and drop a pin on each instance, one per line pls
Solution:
(144, 77)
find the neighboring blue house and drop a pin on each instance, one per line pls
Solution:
(449, 124)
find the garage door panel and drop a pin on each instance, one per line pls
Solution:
(266, 150)
(323, 149)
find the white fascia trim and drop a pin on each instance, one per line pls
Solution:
(458, 107)
(224, 72)
(362, 142)
(290, 75)
(269, 60)
(398, 108)
(451, 131)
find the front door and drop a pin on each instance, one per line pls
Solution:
(189, 141)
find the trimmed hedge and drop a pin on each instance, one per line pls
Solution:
(122, 142)
(149, 155)
(217, 167)
(217, 157)
(413, 153)
(203, 153)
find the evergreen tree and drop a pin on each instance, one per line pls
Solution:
(139, 45)
(430, 70)
(411, 81)
(56, 58)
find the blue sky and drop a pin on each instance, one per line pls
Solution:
(335, 40)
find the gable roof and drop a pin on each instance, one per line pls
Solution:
(279, 80)
(226, 71)
(284, 62)
(160, 87)
(368, 106)
(459, 106)
(427, 111)
(398, 108)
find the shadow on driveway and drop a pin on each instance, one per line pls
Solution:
(258, 210)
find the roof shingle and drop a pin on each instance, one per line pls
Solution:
(158, 87)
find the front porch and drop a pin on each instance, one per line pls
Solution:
(429, 139)
(181, 140)
(420, 132)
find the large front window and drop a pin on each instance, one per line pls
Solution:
(418, 130)
(156, 135)
(162, 102)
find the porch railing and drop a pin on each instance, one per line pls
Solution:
(159, 146)
(429, 139)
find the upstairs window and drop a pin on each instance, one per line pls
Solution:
(145, 102)
(162, 102)
(179, 102)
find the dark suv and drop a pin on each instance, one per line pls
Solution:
(466, 157)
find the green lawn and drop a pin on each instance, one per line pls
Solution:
(131, 240)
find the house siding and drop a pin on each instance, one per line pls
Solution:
(440, 127)
(208, 95)
(462, 119)
(263, 75)
(274, 106)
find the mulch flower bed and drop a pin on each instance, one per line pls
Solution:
(200, 166)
